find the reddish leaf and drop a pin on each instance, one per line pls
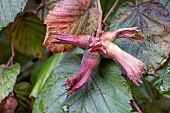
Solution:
(69, 17)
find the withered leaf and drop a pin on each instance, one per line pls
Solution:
(70, 17)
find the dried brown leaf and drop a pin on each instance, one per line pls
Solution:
(69, 17)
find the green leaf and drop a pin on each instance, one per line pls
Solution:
(4, 45)
(9, 10)
(27, 34)
(7, 79)
(105, 92)
(143, 93)
(154, 21)
(107, 5)
(159, 105)
(5, 51)
(162, 84)
(22, 91)
(43, 71)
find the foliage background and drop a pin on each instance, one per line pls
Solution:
(36, 76)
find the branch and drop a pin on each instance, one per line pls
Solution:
(136, 1)
(10, 61)
(99, 30)
(42, 16)
(136, 106)
(111, 10)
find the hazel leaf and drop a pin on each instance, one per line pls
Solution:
(43, 71)
(153, 19)
(7, 79)
(70, 17)
(9, 10)
(162, 84)
(105, 92)
(22, 91)
(27, 34)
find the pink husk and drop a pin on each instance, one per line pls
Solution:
(80, 78)
(133, 67)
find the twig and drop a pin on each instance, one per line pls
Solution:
(25, 72)
(42, 10)
(136, 1)
(26, 66)
(99, 30)
(39, 8)
(114, 5)
(136, 106)
(10, 61)
(24, 75)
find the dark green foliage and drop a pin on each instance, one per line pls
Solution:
(106, 87)
(37, 81)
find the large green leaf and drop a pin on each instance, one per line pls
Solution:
(154, 21)
(43, 71)
(9, 10)
(22, 91)
(27, 34)
(162, 84)
(7, 79)
(106, 91)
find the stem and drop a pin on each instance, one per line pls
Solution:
(99, 30)
(43, 10)
(114, 5)
(39, 8)
(10, 61)
(24, 75)
(136, 106)
(136, 1)
(26, 66)
(25, 72)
